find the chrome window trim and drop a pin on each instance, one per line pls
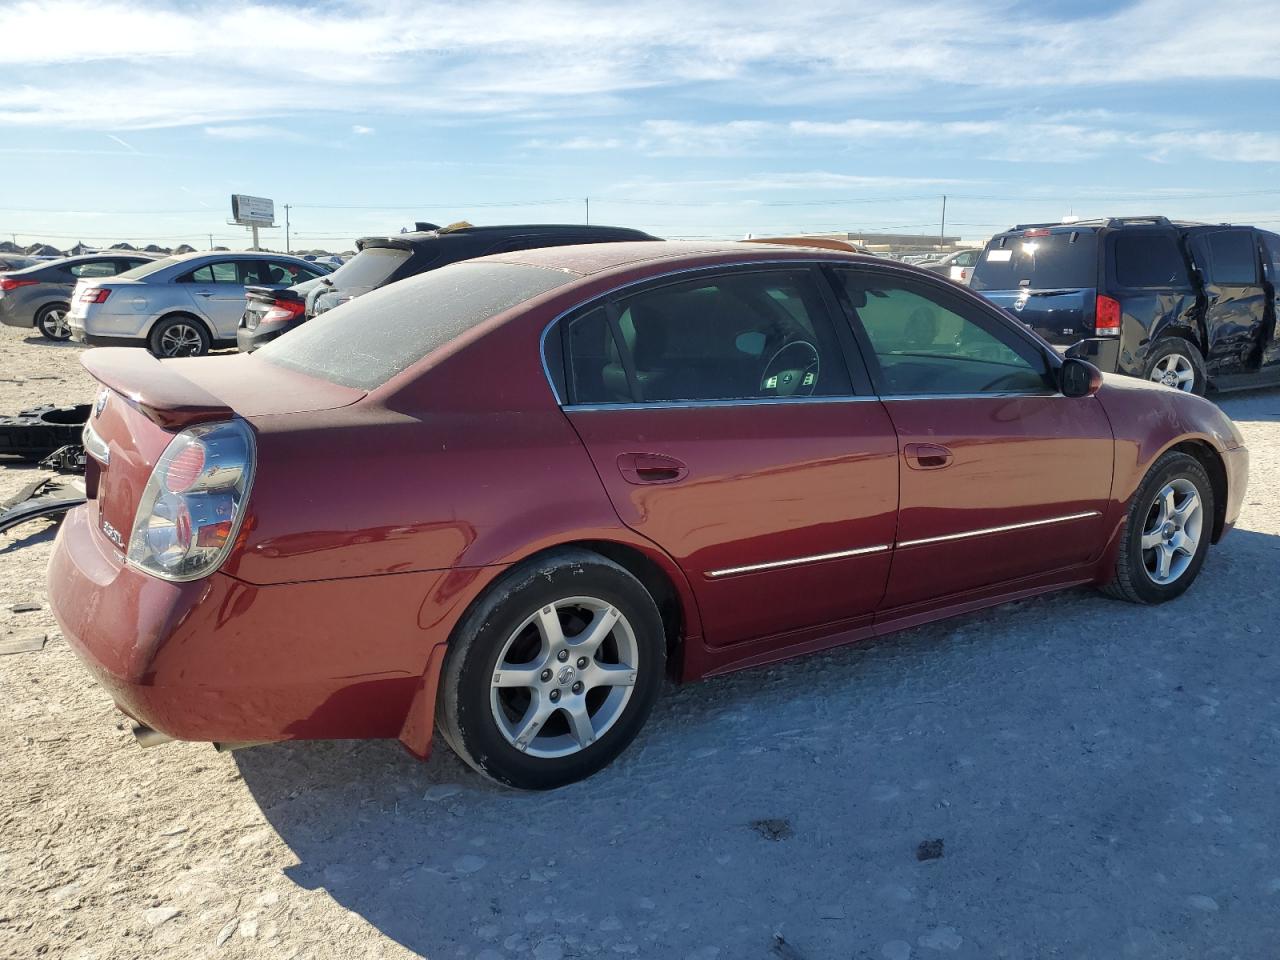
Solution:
(1001, 529)
(696, 404)
(797, 561)
(965, 396)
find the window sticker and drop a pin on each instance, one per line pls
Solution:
(999, 256)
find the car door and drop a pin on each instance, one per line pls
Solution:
(1001, 477)
(217, 292)
(720, 415)
(1235, 300)
(1271, 328)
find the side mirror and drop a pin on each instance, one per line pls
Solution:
(1078, 378)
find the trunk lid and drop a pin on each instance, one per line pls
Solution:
(145, 402)
(1060, 316)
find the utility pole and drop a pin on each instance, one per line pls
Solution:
(942, 232)
(287, 248)
(587, 202)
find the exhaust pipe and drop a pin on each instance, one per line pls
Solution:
(147, 737)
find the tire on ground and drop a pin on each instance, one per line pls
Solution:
(1130, 579)
(464, 711)
(1168, 346)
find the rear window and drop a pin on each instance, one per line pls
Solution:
(150, 267)
(368, 269)
(1149, 260)
(365, 342)
(1051, 262)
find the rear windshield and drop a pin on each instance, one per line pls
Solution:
(368, 270)
(365, 342)
(1050, 262)
(148, 268)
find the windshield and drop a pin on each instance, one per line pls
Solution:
(368, 269)
(148, 268)
(366, 342)
(1051, 262)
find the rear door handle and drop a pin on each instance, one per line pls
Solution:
(651, 468)
(927, 456)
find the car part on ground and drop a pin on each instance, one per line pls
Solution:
(181, 305)
(47, 497)
(1185, 304)
(68, 459)
(36, 433)
(384, 260)
(650, 445)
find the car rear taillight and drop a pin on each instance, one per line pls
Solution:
(10, 283)
(194, 501)
(1042, 232)
(1106, 318)
(283, 311)
(94, 295)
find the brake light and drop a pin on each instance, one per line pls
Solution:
(1106, 317)
(1035, 233)
(94, 295)
(283, 311)
(194, 501)
(9, 283)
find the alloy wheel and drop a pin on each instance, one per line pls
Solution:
(1171, 534)
(564, 677)
(180, 340)
(55, 325)
(1175, 370)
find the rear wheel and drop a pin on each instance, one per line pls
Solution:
(53, 323)
(179, 336)
(1177, 363)
(554, 672)
(1167, 532)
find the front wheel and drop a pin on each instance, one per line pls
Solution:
(1167, 532)
(554, 672)
(53, 323)
(1177, 363)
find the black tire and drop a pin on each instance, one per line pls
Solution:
(465, 710)
(1132, 579)
(1177, 348)
(178, 335)
(51, 321)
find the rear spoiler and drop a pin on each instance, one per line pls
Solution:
(163, 396)
(270, 294)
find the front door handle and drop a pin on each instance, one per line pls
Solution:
(927, 456)
(651, 468)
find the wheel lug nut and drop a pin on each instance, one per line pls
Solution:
(582, 663)
(555, 695)
(546, 675)
(577, 687)
(562, 656)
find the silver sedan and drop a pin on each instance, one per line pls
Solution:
(179, 306)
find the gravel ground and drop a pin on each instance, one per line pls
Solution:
(1100, 780)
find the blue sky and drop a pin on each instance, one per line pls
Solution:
(121, 120)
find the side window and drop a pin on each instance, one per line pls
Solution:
(222, 272)
(93, 268)
(1272, 259)
(1148, 260)
(926, 346)
(760, 335)
(1233, 258)
(289, 273)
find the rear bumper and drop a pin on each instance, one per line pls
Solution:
(222, 660)
(13, 315)
(250, 340)
(1102, 352)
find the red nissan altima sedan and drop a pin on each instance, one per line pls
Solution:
(510, 494)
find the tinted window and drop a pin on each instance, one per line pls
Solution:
(1148, 260)
(371, 339)
(289, 273)
(1273, 256)
(1232, 256)
(93, 268)
(925, 345)
(150, 267)
(1066, 260)
(761, 335)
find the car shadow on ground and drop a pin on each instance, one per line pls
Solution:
(38, 340)
(1085, 764)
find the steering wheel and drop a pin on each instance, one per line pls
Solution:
(792, 371)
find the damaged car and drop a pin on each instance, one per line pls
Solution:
(505, 499)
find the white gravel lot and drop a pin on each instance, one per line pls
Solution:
(1103, 778)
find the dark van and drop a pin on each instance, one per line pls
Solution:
(1189, 305)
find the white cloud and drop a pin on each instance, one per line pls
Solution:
(243, 132)
(118, 65)
(362, 131)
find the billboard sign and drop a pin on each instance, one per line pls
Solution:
(252, 211)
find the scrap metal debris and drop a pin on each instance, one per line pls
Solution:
(46, 497)
(35, 433)
(30, 643)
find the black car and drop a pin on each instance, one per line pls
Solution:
(1189, 305)
(383, 260)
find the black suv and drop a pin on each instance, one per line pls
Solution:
(1189, 305)
(382, 260)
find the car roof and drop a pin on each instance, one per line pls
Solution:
(597, 258)
(500, 231)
